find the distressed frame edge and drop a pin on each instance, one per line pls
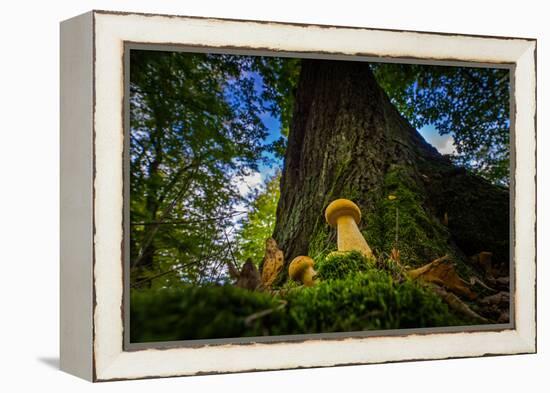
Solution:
(526, 183)
(528, 340)
(76, 196)
(304, 24)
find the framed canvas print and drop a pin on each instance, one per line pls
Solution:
(244, 195)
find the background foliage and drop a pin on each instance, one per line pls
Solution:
(258, 224)
(196, 131)
(470, 104)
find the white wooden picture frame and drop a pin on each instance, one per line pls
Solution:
(92, 194)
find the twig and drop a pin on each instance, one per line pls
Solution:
(173, 270)
(233, 272)
(474, 280)
(396, 226)
(179, 222)
(260, 314)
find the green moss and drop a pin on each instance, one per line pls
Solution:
(320, 244)
(338, 265)
(401, 210)
(289, 285)
(366, 301)
(352, 295)
(397, 271)
(191, 312)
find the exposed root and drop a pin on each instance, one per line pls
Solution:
(458, 305)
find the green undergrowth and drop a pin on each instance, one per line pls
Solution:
(351, 294)
(195, 312)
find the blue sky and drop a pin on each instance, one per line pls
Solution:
(443, 143)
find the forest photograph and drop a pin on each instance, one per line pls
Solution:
(276, 196)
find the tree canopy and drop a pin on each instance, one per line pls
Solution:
(195, 129)
(258, 224)
(472, 105)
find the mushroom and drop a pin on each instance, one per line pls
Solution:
(301, 269)
(344, 215)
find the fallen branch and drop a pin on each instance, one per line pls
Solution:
(474, 280)
(458, 305)
(260, 314)
(138, 283)
(499, 298)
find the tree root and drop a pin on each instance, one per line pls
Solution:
(458, 305)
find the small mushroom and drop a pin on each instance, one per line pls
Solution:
(345, 215)
(301, 269)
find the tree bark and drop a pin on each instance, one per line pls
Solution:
(347, 140)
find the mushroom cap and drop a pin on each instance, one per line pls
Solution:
(339, 208)
(298, 266)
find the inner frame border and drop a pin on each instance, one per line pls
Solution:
(297, 338)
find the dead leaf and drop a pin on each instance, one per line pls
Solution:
(442, 273)
(414, 274)
(273, 262)
(249, 277)
(484, 260)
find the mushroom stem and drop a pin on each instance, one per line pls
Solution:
(350, 238)
(345, 215)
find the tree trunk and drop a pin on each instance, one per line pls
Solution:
(347, 140)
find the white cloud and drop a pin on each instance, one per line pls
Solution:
(443, 143)
(246, 184)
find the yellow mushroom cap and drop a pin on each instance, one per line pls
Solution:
(298, 266)
(339, 208)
